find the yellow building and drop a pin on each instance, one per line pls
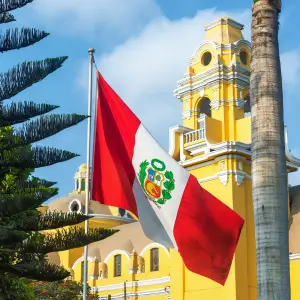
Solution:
(213, 144)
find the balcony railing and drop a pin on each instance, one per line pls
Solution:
(194, 136)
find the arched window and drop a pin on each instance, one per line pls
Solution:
(204, 107)
(117, 265)
(83, 185)
(247, 106)
(154, 259)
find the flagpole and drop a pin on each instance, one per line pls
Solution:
(88, 155)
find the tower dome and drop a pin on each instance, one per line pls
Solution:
(80, 179)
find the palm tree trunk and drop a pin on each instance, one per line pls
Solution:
(269, 182)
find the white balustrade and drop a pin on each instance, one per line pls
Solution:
(194, 136)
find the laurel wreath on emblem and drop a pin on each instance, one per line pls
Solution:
(161, 181)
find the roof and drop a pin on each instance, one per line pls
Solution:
(63, 205)
(130, 237)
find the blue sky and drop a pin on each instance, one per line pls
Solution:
(142, 48)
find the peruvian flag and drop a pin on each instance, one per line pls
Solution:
(132, 171)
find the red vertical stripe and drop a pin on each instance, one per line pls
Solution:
(115, 129)
(206, 232)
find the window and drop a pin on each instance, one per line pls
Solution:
(82, 271)
(83, 185)
(206, 58)
(75, 206)
(154, 259)
(204, 107)
(117, 265)
(244, 57)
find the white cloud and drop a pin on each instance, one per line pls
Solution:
(144, 70)
(85, 16)
(290, 62)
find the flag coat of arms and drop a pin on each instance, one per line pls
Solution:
(132, 171)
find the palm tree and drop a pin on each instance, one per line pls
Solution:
(269, 180)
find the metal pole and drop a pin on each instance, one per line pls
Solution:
(88, 154)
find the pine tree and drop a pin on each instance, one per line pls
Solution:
(23, 246)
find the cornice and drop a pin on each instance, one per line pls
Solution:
(210, 81)
(138, 294)
(218, 46)
(217, 159)
(224, 21)
(295, 256)
(224, 177)
(113, 218)
(216, 68)
(289, 155)
(130, 284)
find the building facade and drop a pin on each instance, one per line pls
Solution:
(214, 144)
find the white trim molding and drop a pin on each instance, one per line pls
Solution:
(224, 177)
(172, 132)
(155, 245)
(113, 218)
(224, 21)
(295, 256)
(80, 259)
(79, 206)
(130, 284)
(115, 252)
(137, 295)
(288, 153)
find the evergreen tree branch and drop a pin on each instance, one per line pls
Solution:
(13, 204)
(42, 271)
(50, 220)
(6, 18)
(38, 157)
(65, 239)
(8, 236)
(38, 182)
(19, 112)
(9, 5)
(41, 128)
(25, 75)
(15, 38)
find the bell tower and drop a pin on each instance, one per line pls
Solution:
(213, 142)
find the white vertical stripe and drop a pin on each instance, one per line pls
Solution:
(152, 226)
(146, 148)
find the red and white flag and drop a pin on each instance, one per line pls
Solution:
(132, 171)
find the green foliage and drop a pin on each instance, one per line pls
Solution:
(6, 18)
(23, 247)
(26, 74)
(15, 39)
(61, 290)
(15, 288)
(9, 5)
